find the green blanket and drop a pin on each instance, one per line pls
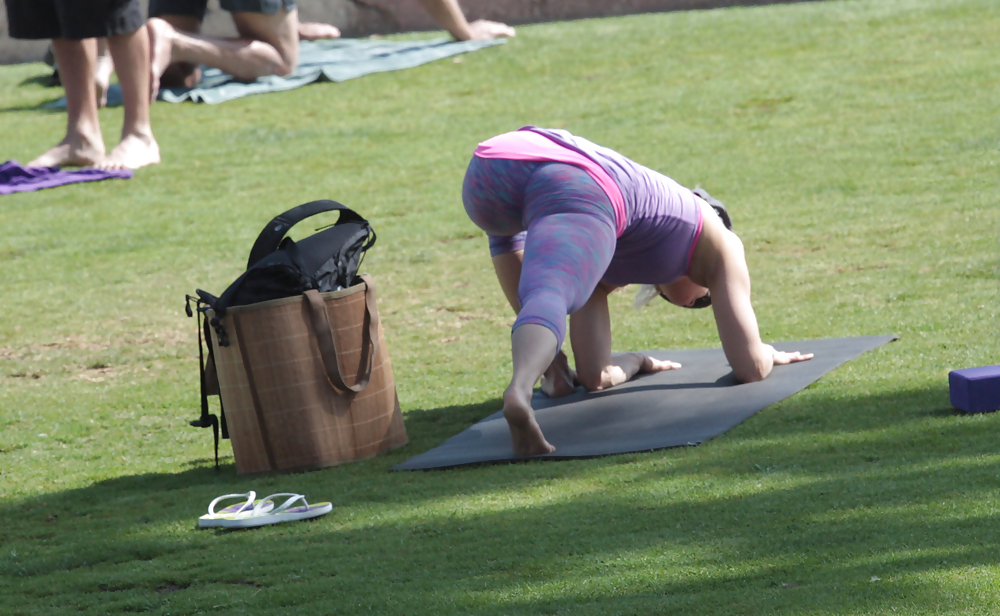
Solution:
(333, 60)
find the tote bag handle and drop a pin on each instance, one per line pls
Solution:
(328, 347)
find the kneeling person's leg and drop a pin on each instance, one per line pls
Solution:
(184, 16)
(274, 23)
(569, 244)
(268, 45)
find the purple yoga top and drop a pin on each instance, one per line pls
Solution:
(662, 221)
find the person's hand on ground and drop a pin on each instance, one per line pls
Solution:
(650, 365)
(782, 358)
(314, 31)
(482, 29)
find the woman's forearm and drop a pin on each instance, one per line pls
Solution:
(448, 14)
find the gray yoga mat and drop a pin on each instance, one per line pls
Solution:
(332, 60)
(669, 409)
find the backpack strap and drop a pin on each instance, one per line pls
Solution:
(272, 234)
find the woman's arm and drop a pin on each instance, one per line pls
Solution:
(449, 16)
(730, 286)
(729, 283)
(590, 335)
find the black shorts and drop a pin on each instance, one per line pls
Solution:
(72, 19)
(196, 8)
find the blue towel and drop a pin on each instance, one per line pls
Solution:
(333, 60)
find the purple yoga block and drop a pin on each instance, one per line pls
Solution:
(975, 390)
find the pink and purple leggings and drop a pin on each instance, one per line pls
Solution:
(559, 216)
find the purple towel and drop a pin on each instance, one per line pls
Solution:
(15, 178)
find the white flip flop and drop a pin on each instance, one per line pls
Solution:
(264, 512)
(233, 512)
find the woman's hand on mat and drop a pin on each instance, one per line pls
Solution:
(782, 358)
(650, 365)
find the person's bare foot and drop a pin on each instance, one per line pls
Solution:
(559, 380)
(314, 31)
(72, 151)
(134, 151)
(102, 78)
(161, 37)
(527, 437)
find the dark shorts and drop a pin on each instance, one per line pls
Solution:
(72, 19)
(196, 8)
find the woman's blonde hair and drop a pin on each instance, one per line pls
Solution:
(646, 294)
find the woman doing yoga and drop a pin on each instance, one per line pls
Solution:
(570, 221)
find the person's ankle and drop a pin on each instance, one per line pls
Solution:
(513, 397)
(141, 132)
(85, 141)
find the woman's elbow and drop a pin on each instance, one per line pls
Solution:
(753, 373)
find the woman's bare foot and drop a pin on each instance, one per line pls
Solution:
(559, 380)
(133, 152)
(72, 151)
(161, 37)
(314, 31)
(527, 437)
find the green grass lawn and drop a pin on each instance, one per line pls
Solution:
(857, 145)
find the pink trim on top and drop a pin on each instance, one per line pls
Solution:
(697, 236)
(526, 145)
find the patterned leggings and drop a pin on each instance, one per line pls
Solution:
(559, 216)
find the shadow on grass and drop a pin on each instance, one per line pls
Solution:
(44, 106)
(849, 503)
(47, 80)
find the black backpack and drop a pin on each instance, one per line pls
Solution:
(279, 267)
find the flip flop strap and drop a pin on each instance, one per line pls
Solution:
(267, 499)
(251, 495)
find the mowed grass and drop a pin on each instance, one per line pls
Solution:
(857, 147)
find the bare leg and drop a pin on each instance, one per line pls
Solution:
(137, 148)
(179, 74)
(269, 45)
(279, 31)
(102, 73)
(532, 347)
(314, 31)
(83, 144)
(559, 379)
(508, 269)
